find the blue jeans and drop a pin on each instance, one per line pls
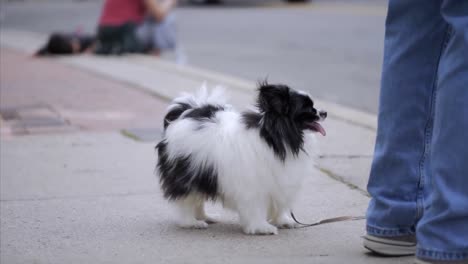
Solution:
(158, 35)
(419, 175)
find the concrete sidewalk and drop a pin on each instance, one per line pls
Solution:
(90, 195)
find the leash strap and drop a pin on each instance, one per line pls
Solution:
(328, 220)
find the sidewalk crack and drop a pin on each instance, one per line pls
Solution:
(341, 179)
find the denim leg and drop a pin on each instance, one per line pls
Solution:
(143, 32)
(414, 39)
(443, 230)
(158, 35)
(164, 33)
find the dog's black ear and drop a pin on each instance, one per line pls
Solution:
(273, 98)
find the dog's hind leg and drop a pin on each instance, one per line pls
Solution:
(280, 215)
(187, 213)
(253, 218)
(284, 220)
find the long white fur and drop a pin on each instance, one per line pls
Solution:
(251, 179)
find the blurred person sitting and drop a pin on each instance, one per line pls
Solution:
(67, 44)
(136, 26)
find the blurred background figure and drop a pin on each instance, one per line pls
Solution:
(136, 26)
(63, 44)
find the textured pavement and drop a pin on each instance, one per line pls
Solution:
(89, 195)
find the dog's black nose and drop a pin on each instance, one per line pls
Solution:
(322, 114)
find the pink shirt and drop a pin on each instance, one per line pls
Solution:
(118, 12)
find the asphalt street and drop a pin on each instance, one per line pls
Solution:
(333, 49)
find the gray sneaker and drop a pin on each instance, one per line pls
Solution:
(391, 246)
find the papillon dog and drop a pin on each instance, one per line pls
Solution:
(254, 162)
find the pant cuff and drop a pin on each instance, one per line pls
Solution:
(432, 254)
(389, 232)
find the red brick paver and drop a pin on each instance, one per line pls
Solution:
(85, 101)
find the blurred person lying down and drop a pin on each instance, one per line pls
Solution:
(67, 43)
(136, 26)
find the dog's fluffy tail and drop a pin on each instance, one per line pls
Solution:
(186, 101)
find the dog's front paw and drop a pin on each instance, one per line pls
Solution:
(261, 229)
(195, 224)
(285, 222)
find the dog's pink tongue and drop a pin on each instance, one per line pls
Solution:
(317, 127)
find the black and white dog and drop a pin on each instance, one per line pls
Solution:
(254, 161)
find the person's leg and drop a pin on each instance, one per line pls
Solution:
(414, 39)
(143, 33)
(443, 230)
(164, 33)
(108, 40)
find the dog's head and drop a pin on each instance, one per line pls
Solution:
(283, 103)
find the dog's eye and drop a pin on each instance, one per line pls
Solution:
(310, 109)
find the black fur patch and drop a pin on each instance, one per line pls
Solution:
(178, 179)
(204, 113)
(175, 113)
(281, 118)
(281, 134)
(251, 119)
